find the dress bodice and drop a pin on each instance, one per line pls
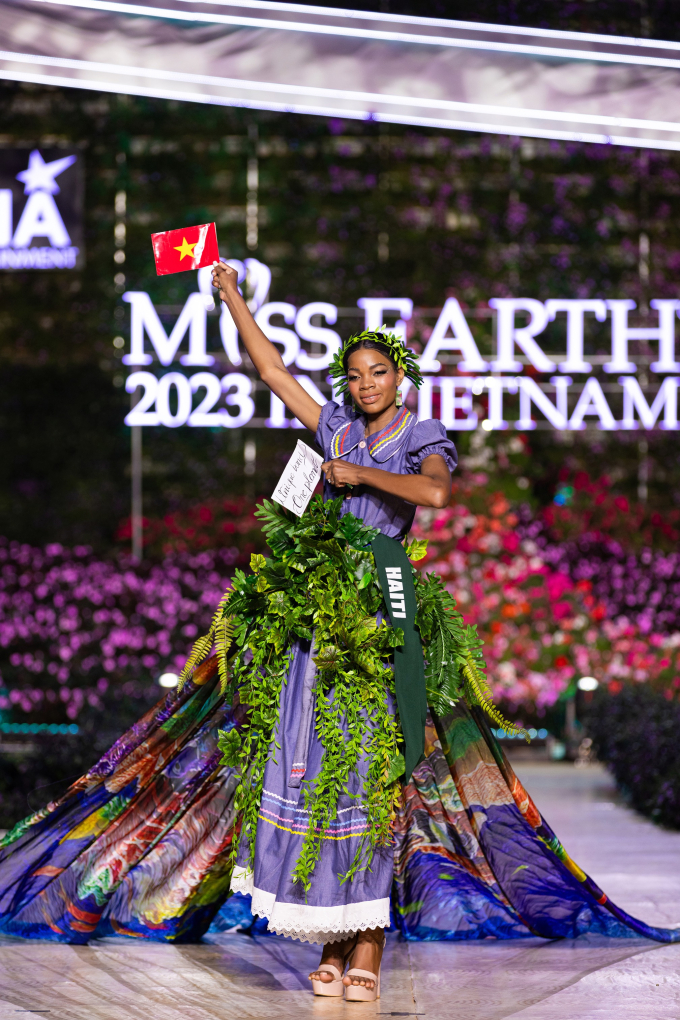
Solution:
(400, 447)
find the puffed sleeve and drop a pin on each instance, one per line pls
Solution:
(428, 437)
(332, 417)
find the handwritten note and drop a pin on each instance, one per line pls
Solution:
(298, 481)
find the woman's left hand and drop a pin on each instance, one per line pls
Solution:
(340, 474)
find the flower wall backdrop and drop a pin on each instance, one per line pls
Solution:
(74, 626)
(545, 620)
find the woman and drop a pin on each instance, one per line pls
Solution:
(418, 460)
(308, 794)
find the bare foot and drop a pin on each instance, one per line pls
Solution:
(334, 953)
(367, 955)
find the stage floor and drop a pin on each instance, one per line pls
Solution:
(234, 976)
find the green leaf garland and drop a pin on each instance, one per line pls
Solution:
(320, 586)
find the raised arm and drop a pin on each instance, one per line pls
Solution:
(263, 354)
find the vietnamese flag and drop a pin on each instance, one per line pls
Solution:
(175, 251)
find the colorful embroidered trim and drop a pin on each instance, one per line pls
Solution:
(300, 828)
(338, 440)
(393, 431)
(269, 795)
(294, 819)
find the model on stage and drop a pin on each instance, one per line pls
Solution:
(333, 758)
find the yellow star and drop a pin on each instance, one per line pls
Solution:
(186, 249)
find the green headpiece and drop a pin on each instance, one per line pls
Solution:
(402, 356)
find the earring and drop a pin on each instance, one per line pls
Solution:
(399, 401)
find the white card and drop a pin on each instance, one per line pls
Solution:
(297, 483)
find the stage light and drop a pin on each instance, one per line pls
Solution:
(67, 728)
(168, 679)
(588, 683)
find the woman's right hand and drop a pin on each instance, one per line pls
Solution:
(225, 279)
(266, 358)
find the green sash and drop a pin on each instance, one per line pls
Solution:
(396, 581)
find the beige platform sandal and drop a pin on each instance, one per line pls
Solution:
(334, 987)
(360, 993)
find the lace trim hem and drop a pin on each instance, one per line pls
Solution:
(319, 937)
(319, 924)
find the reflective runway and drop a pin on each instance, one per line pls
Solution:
(234, 976)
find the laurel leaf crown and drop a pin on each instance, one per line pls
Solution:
(402, 356)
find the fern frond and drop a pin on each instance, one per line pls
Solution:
(478, 692)
(198, 653)
(441, 703)
(204, 644)
(221, 606)
(224, 633)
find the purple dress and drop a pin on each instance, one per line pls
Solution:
(331, 910)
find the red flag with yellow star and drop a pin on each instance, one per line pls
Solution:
(175, 251)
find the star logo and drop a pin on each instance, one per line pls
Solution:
(40, 175)
(186, 249)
